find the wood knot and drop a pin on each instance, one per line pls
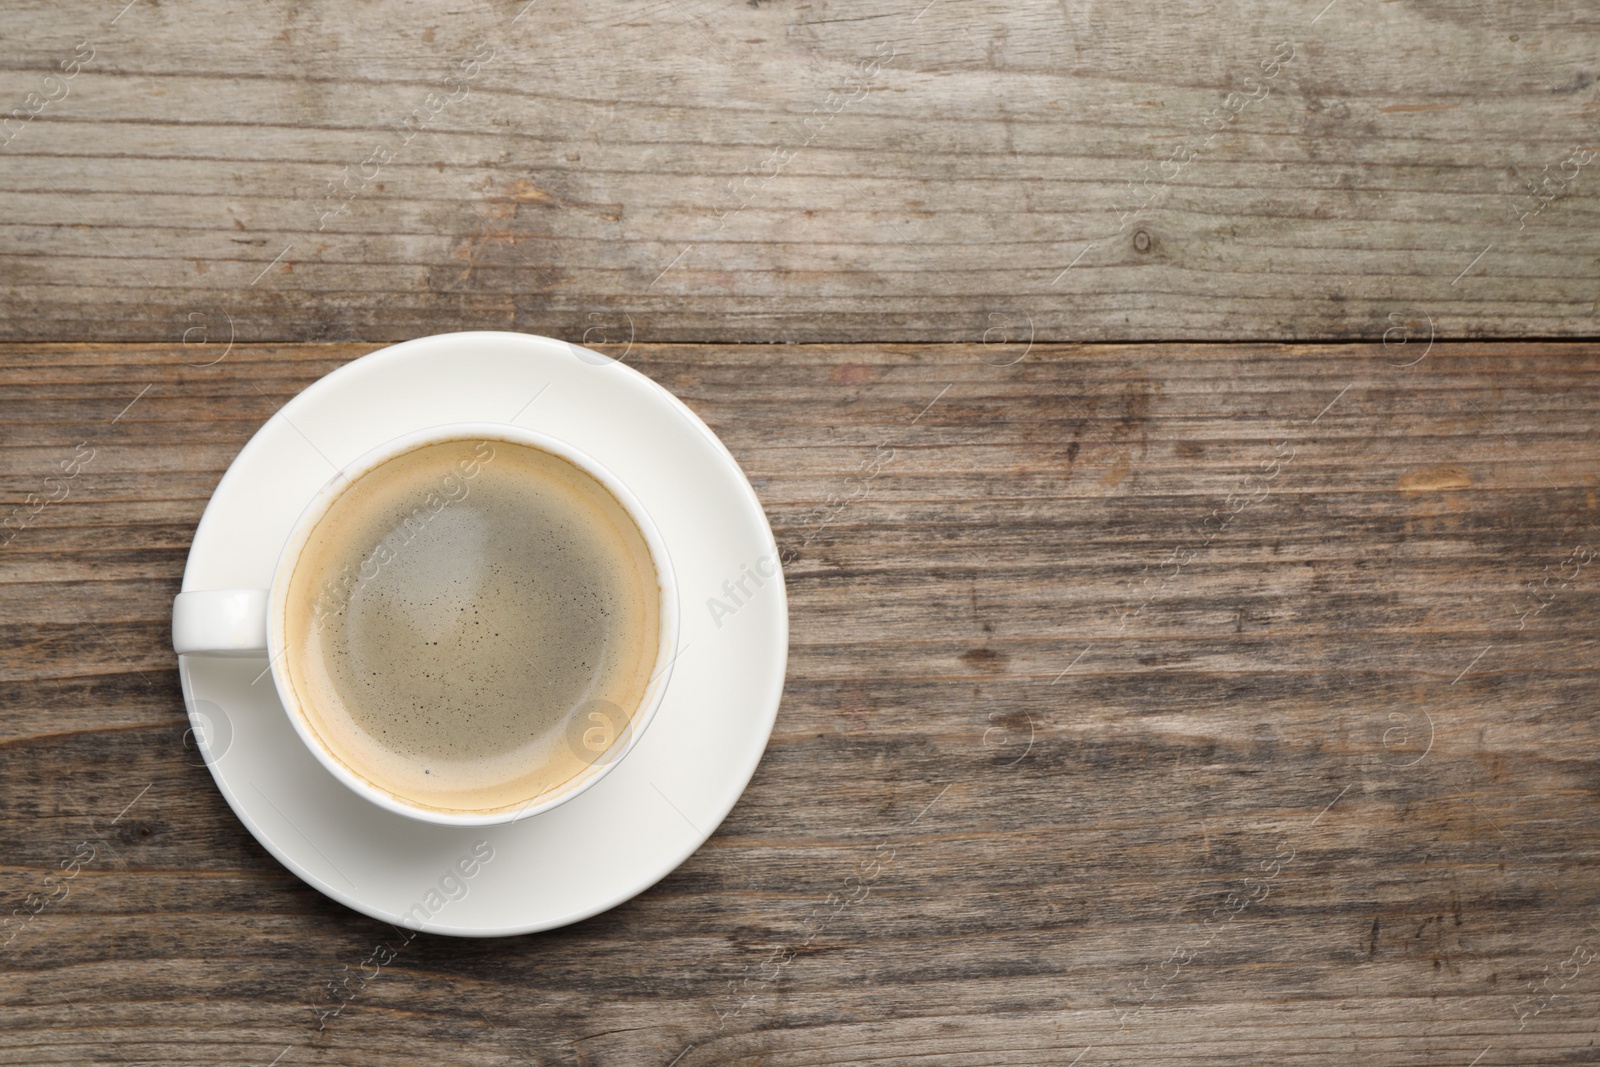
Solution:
(1141, 241)
(985, 659)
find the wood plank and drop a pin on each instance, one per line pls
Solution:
(1355, 692)
(799, 172)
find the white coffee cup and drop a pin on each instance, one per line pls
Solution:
(251, 622)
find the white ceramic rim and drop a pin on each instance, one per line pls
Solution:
(283, 571)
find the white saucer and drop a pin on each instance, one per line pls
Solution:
(687, 770)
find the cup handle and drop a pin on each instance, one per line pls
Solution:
(220, 622)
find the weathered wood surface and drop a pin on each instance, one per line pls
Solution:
(1077, 692)
(783, 171)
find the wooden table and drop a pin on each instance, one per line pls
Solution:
(1206, 676)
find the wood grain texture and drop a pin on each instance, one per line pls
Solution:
(1196, 705)
(799, 171)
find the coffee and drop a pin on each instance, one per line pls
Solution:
(471, 624)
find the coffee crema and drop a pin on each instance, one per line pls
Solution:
(471, 624)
